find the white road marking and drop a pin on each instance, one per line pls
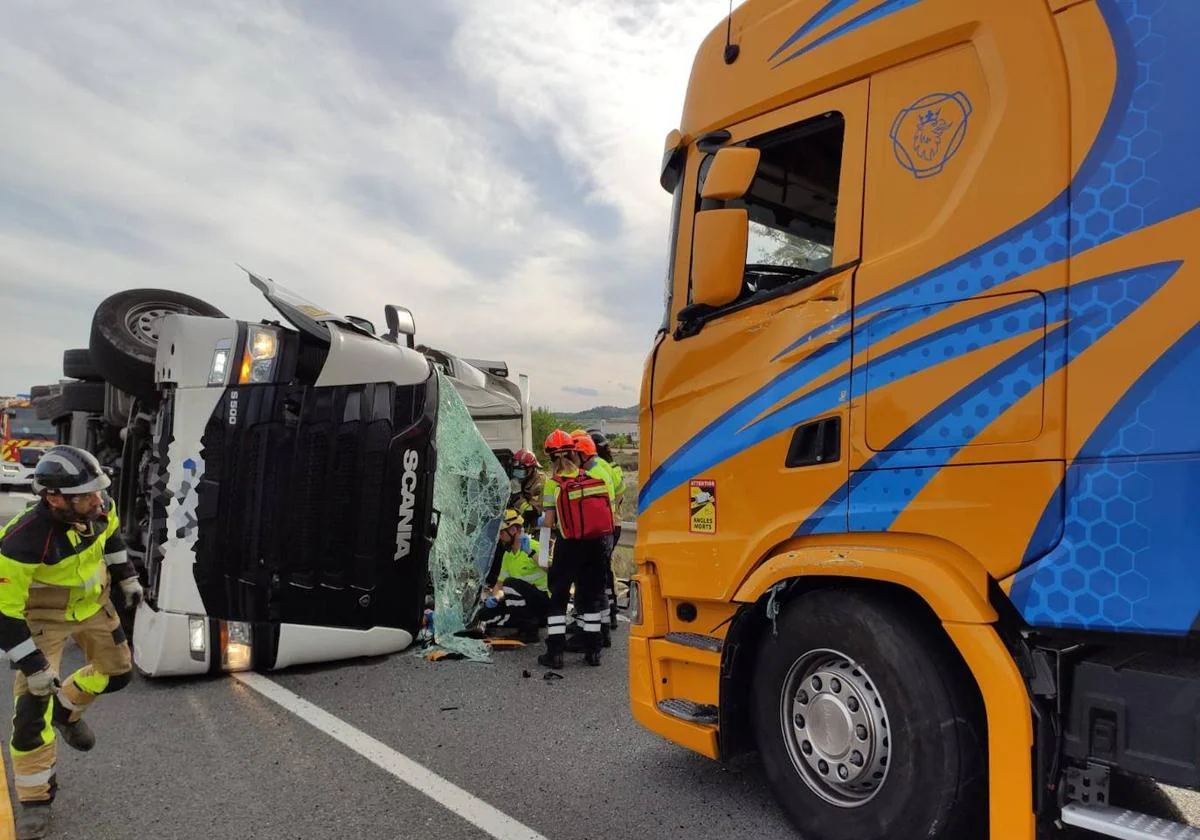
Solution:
(447, 794)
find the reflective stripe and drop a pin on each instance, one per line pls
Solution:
(591, 627)
(22, 650)
(515, 602)
(92, 683)
(116, 558)
(557, 619)
(594, 616)
(556, 630)
(34, 779)
(92, 581)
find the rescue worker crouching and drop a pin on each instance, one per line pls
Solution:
(519, 589)
(528, 483)
(56, 563)
(579, 505)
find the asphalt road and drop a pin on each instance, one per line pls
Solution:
(215, 758)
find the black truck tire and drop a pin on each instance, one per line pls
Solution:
(125, 334)
(38, 391)
(867, 723)
(83, 396)
(49, 407)
(77, 364)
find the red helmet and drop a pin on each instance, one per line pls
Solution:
(524, 458)
(559, 441)
(584, 444)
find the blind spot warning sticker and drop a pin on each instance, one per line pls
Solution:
(703, 500)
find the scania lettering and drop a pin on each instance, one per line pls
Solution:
(920, 443)
(408, 486)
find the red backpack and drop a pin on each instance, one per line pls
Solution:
(584, 510)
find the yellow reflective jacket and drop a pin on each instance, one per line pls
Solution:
(521, 566)
(52, 571)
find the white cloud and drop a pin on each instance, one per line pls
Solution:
(504, 186)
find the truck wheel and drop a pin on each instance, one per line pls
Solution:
(867, 723)
(77, 364)
(83, 396)
(49, 407)
(125, 334)
(38, 391)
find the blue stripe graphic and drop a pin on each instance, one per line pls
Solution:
(886, 9)
(833, 7)
(882, 489)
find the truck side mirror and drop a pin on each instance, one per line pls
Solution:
(731, 173)
(719, 256)
(400, 321)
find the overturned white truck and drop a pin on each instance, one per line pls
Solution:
(276, 479)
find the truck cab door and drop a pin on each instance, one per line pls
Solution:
(749, 398)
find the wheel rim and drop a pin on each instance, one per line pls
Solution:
(142, 321)
(835, 726)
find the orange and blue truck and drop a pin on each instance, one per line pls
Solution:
(920, 429)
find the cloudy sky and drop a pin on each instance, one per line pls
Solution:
(492, 164)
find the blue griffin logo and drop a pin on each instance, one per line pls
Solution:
(928, 134)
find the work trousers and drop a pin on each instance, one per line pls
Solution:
(108, 668)
(578, 563)
(523, 607)
(610, 589)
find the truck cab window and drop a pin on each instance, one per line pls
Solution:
(792, 204)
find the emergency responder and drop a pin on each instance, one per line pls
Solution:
(595, 467)
(56, 563)
(518, 588)
(578, 505)
(604, 453)
(528, 482)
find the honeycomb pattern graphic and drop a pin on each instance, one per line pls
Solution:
(1118, 196)
(1094, 578)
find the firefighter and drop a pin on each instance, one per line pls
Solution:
(604, 453)
(580, 507)
(597, 468)
(519, 589)
(528, 482)
(57, 560)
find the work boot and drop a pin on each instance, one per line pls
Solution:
(78, 735)
(551, 660)
(33, 822)
(592, 657)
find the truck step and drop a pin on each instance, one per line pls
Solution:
(696, 640)
(689, 710)
(1125, 825)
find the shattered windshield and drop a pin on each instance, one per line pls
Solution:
(470, 489)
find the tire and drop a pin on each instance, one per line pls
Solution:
(39, 391)
(125, 334)
(83, 396)
(49, 407)
(77, 364)
(921, 770)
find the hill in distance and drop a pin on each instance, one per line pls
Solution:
(602, 412)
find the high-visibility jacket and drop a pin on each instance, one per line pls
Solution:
(517, 565)
(528, 500)
(52, 571)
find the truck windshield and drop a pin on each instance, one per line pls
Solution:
(24, 423)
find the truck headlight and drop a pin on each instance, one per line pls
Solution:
(236, 646)
(218, 372)
(197, 637)
(258, 362)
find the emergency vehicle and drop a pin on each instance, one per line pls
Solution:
(920, 436)
(275, 479)
(23, 437)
